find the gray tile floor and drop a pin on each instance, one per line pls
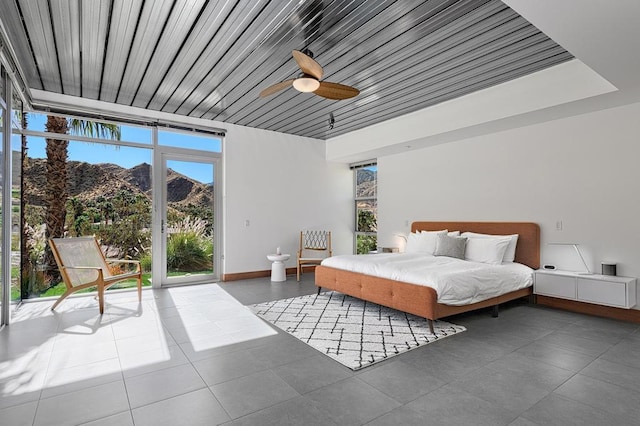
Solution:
(195, 355)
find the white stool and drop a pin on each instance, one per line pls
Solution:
(278, 272)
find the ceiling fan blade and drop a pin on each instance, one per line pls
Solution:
(276, 88)
(336, 91)
(307, 64)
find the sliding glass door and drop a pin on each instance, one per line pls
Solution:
(189, 219)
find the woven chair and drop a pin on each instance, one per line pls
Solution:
(315, 246)
(82, 265)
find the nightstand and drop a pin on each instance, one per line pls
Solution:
(607, 290)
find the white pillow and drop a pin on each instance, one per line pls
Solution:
(509, 254)
(423, 242)
(451, 234)
(486, 250)
(413, 243)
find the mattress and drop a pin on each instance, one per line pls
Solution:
(457, 282)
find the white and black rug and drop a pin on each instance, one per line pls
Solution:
(351, 331)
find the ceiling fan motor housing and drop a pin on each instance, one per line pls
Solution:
(306, 83)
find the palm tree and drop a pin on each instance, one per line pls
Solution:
(56, 184)
(57, 154)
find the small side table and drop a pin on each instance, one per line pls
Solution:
(278, 272)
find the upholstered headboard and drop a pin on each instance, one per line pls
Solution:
(527, 250)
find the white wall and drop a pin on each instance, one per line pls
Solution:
(489, 110)
(282, 184)
(582, 170)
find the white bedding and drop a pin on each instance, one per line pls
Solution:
(457, 282)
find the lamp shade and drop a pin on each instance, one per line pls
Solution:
(306, 84)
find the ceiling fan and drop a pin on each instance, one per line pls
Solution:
(309, 80)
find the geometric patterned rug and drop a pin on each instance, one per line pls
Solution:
(349, 330)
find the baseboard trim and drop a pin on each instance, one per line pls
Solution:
(245, 275)
(630, 315)
(258, 274)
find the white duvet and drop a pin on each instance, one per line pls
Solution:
(457, 282)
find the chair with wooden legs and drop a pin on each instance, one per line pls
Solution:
(315, 246)
(82, 265)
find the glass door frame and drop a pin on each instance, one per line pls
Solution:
(159, 259)
(5, 202)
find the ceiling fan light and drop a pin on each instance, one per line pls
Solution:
(306, 84)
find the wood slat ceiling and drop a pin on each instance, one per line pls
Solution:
(210, 59)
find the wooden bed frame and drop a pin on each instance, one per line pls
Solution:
(422, 300)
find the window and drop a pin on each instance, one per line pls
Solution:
(106, 192)
(366, 207)
(190, 140)
(95, 129)
(5, 126)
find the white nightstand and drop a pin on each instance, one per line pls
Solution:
(607, 290)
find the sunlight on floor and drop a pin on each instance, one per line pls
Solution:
(45, 353)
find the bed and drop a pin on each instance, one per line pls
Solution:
(422, 300)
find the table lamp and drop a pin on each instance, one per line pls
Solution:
(575, 247)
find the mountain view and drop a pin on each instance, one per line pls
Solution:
(366, 184)
(91, 181)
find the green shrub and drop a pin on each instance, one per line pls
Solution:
(145, 262)
(15, 242)
(188, 252)
(127, 236)
(365, 243)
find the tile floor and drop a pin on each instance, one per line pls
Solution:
(195, 355)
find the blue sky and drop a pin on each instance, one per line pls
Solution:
(125, 156)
